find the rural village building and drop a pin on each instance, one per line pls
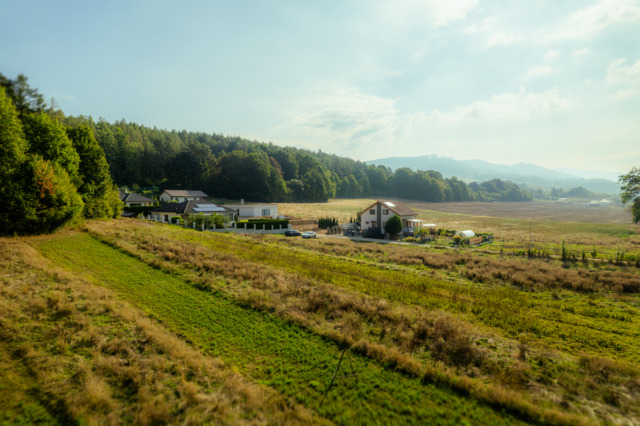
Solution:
(132, 199)
(165, 212)
(374, 217)
(180, 195)
(246, 211)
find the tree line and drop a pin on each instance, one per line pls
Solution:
(50, 174)
(234, 168)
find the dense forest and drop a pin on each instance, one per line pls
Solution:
(232, 167)
(50, 174)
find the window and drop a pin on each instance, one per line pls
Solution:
(385, 211)
(266, 212)
(372, 211)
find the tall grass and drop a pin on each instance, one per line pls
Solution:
(270, 349)
(323, 292)
(91, 358)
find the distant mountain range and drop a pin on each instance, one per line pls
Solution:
(521, 173)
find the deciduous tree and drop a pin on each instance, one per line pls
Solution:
(631, 192)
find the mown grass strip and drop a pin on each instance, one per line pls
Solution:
(510, 310)
(288, 358)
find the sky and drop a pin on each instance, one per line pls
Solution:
(551, 83)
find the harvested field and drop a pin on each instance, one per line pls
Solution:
(534, 210)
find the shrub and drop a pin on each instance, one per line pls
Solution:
(327, 222)
(393, 225)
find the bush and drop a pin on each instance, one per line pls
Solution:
(327, 222)
(393, 225)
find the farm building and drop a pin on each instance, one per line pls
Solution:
(374, 217)
(180, 195)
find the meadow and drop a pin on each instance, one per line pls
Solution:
(143, 322)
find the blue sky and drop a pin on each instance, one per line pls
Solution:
(547, 82)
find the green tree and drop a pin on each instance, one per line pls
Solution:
(25, 98)
(631, 192)
(393, 225)
(12, 157)
(51, 198)
(96, 187)
(48, 138)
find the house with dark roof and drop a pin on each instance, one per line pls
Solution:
(374, 217)
(180, 195)
(165, 212)
(133, 199)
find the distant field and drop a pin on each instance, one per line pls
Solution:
(511, 223)
(534, 210)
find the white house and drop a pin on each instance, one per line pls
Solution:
(180, 195)
(374, 217)
(255, 210)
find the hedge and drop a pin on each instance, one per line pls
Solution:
(258, 224)
(140, 209)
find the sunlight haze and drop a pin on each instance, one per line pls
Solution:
(551, 83)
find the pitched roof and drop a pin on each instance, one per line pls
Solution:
(397, 207)
(184, 193)
(132, 197)
(193, 207)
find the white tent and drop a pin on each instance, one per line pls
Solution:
(466, 234)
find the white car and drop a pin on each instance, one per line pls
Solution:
(309, 234)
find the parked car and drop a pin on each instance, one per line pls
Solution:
(309, 234)
(292, 233)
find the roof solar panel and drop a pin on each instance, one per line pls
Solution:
(207, 208)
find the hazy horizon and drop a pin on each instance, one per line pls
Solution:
(556, 85)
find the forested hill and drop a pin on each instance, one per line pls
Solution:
(232, 167)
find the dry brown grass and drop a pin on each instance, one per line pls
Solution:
(524, 273)
(97, 360)
(396, 335)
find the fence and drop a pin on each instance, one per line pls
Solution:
(258, 229)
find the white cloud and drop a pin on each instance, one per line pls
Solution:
(551, 55)
(415, 13)
(599, 17)
(582, 52)
(538, 71)
(346, 120)
(628, 76)
(505, 106)
(620, 73)
(580, 24)
(503, 39)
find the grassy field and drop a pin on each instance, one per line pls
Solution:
(137, 322)
(542, 222)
